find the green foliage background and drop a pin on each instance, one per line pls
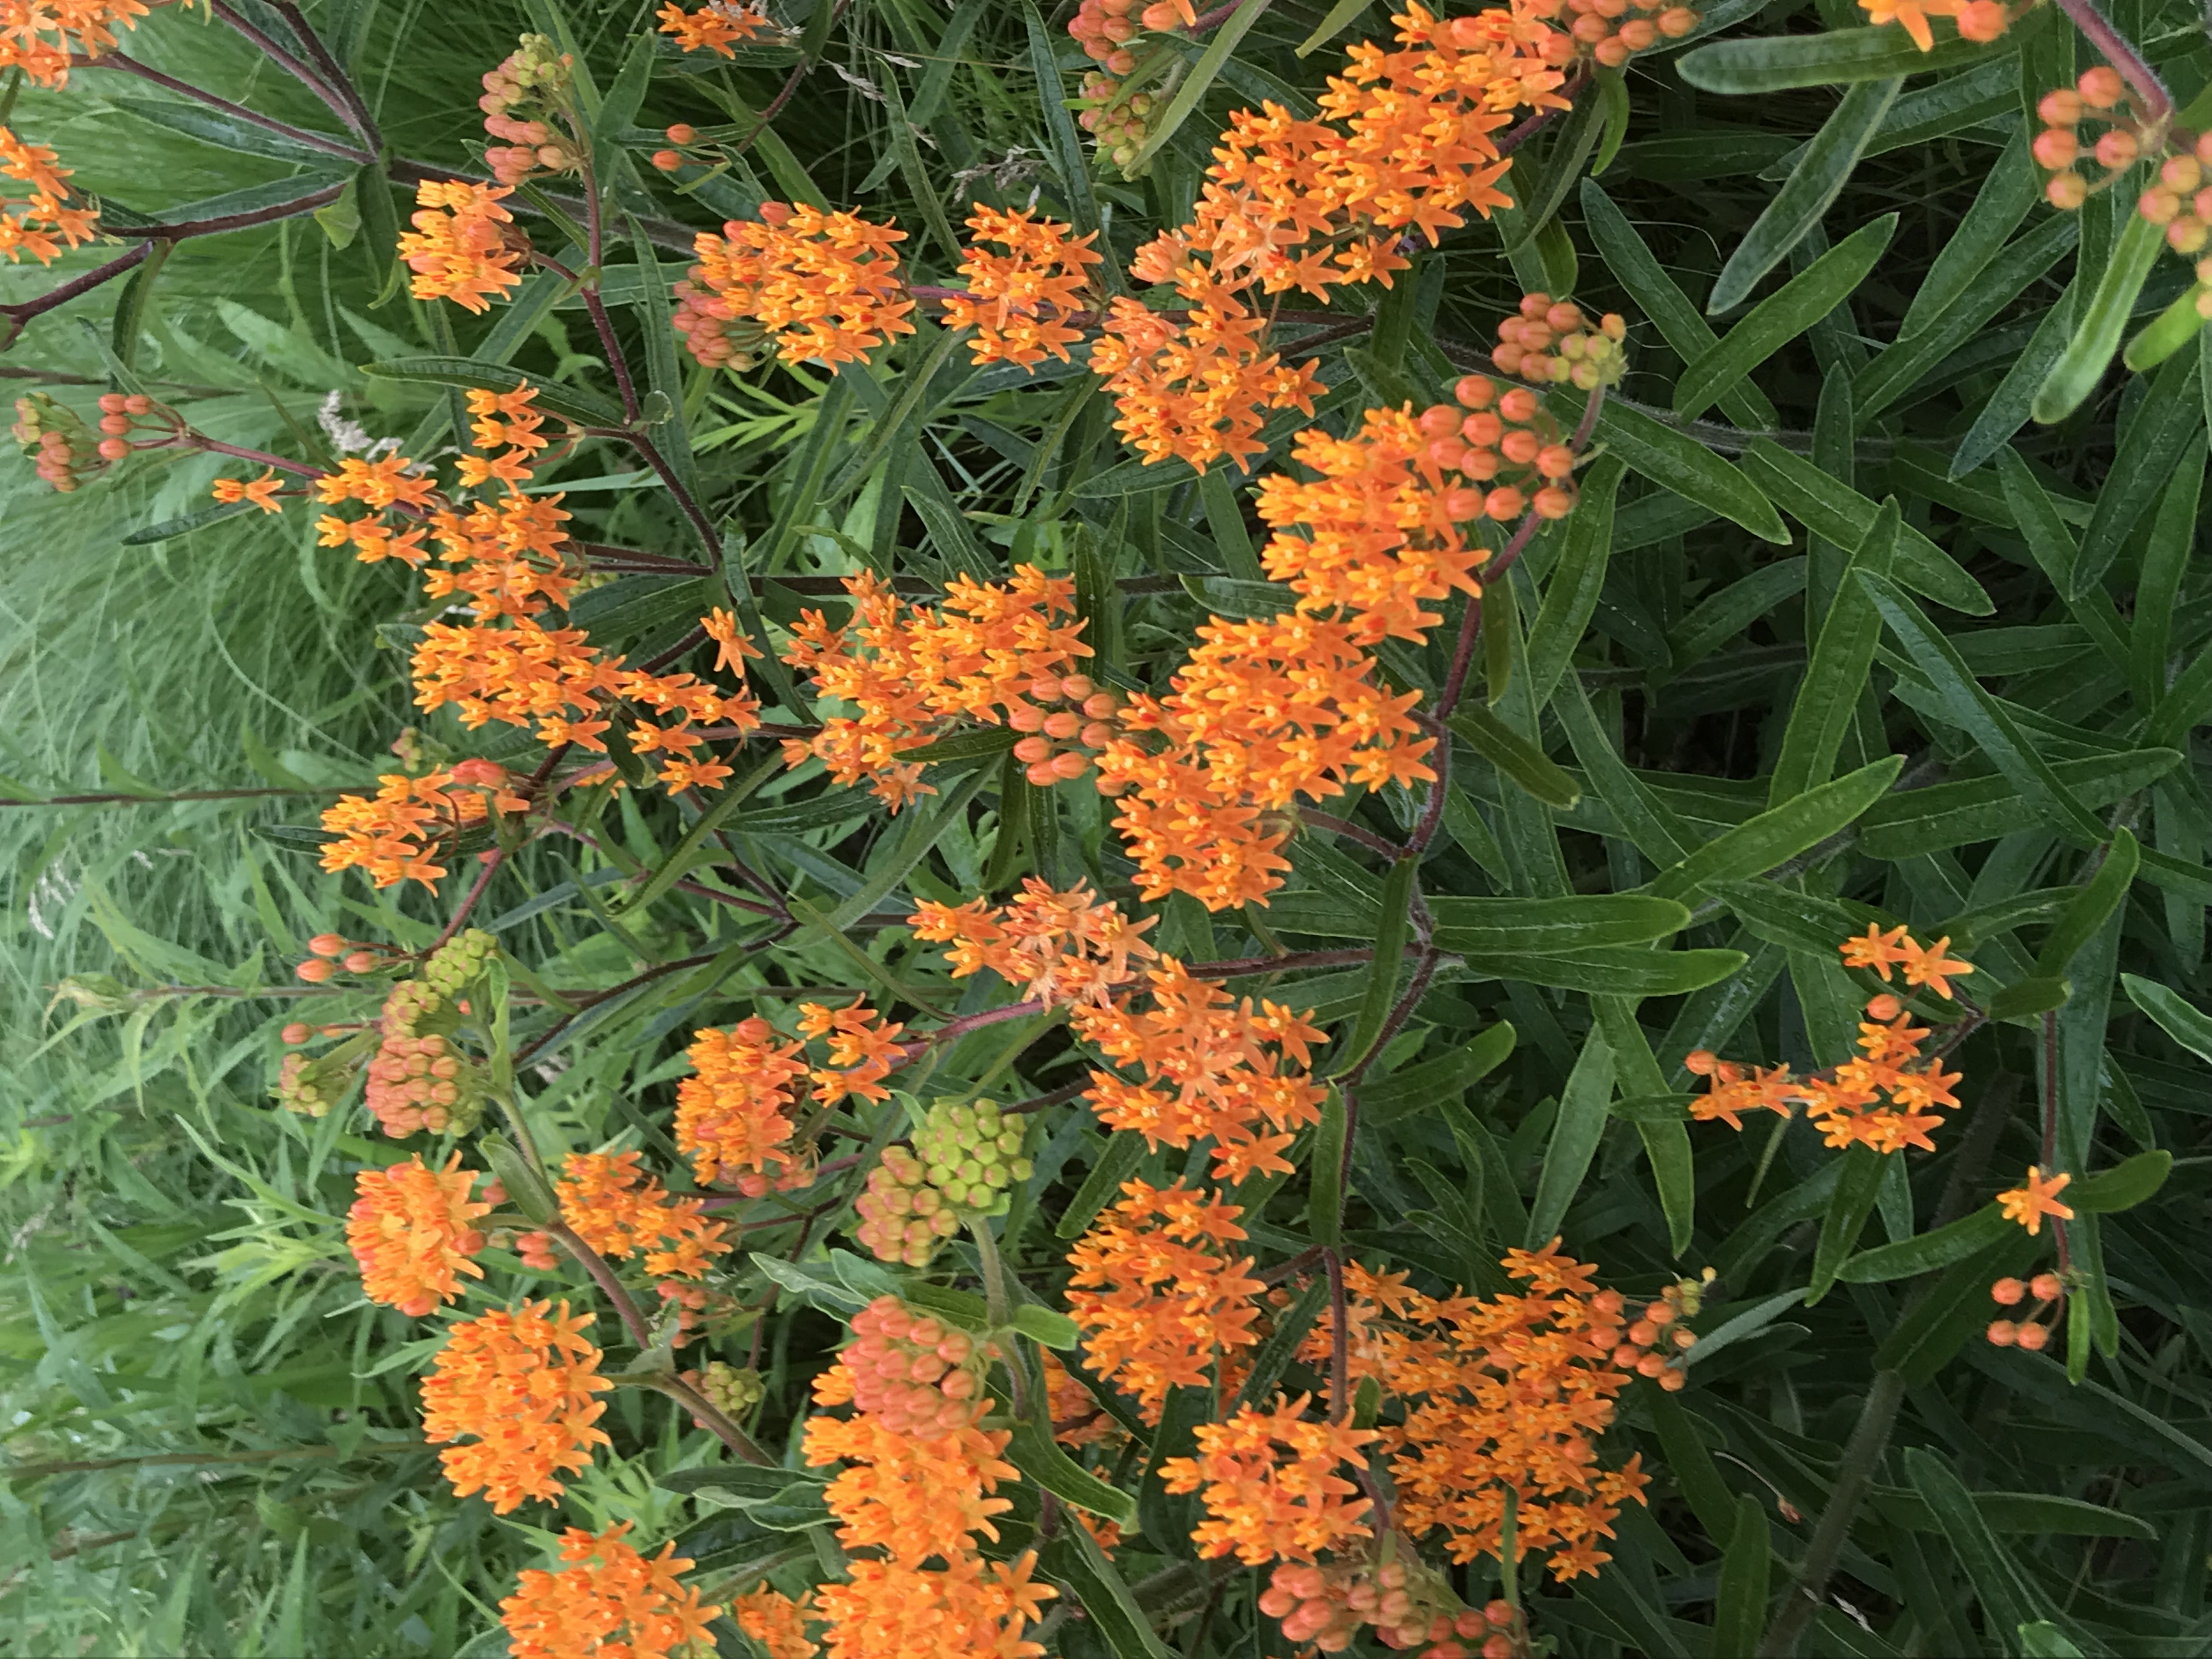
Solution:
(176, 1285)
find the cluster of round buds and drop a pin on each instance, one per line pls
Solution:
(59, 443)
(913, 1373)
(2100, 96)
(902, 1218)
(681, 134)
(311, 1086)
(732, 1390)
(119, 415)
(1506, 448)
(1108, 29)
(1118, 124)
(716, 340)
(329, 952)
(1611, 30)
(1410, 1607)
(1067, 720)
(1655, 1342)
(517, 98)
(973, 1155)
(1552, 342)
(965, 1159)
(694, 1308)
(2033, 1333)
(459, 960)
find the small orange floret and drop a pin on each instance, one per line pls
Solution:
(2039, 1197)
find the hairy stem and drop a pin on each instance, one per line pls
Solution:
(1877, 1417)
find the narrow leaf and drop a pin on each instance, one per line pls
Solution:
(1781, 832)
(1584, 1105)
(1808, 193)
(1780, 318)
(2086, 358)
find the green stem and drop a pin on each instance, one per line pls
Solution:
(1854, 1475)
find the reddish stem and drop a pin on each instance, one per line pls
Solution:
(128, 65)
(2154, 102)
(290, 62)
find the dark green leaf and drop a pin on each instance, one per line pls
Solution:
(1514, 755)
(1781, 832)
(1124, 1152)
(2124, 1185)
(1740, 1610)
(1574, 1135)
(1811, 189)
(1033, 1451)
(185, 525)
(1926, 1252)
(2029, 996)
(1848, 1209)
(1576, 579)
(1780, 318)
(1674, 461)
(1573, 923)
(1829, 507)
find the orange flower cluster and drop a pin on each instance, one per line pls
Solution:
(39, 36)
(1156, 1294)
(1978, 20)
(2036, 1198)
(825, 286)
(608, 1602)
(1260, 714)
(1385, 518)
(1018, 303)
(459, 249)
(1207, 1070)
(1271, 1485)
(776, 1622)
(38, 226)
(508, 556)
(734, 1115)
(520, 1381)
(395, 834)
(715, 27)
(618, 1210)
(919, 1498)
(1195, 383)
(412, 1229)
(1510, 1392)
(1879, 1098)
(991, 652)
(864, 1048)
(1063, 949)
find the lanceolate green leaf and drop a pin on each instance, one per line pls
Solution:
(1611, 970)
(1808, 193)
(1576, 579)
(1976, 711)
(1514, 755)
(1928, 1252)
(2180, 1019)
(2165, 424)
(2012, 187)
(1194, 85)
(1780, 63)
(1740, 1611)
(1780, 832)
(1033, 1451)
(2106, 318)
(1848, 1209)
(1680, 322)
(1398, 889)
(1783, 316)
(1828, 696)
(2086, 916)
(1554, 923)
(1574, 1135)
(1835, 510)
(1674, 461)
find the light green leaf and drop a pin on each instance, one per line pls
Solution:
(1196, 83)
(1514, 756)
(2082, 364)
(1780, 63)
(2182, 1020)
(1674, 461)
(1575, 1135)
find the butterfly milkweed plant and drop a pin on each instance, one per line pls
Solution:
(912, 831)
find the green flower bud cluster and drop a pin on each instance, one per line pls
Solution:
(312, 1087)
(459, 960)
(965, 1162)
(732, 1390)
